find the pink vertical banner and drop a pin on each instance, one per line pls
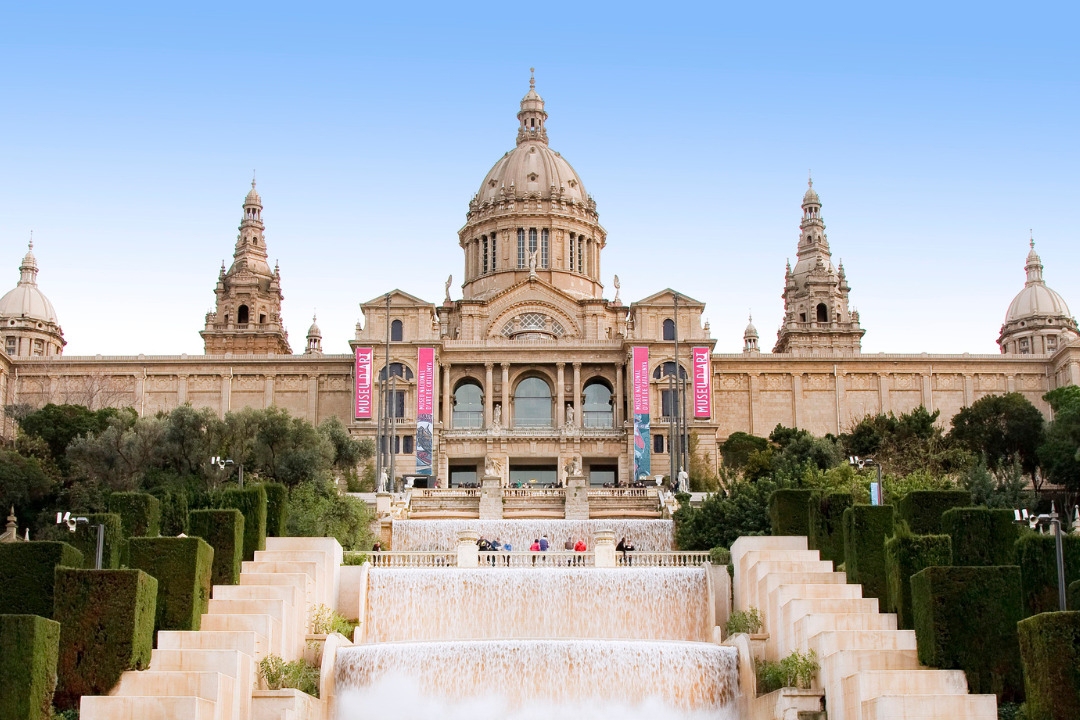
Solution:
(425, 407)
(702, 371)
(364, 358)
(640, 377)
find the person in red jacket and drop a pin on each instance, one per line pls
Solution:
(579, 547)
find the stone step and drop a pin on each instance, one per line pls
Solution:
(867, 685)
(116, 707)
(295, 622)
(810, 625)
(322, 575)
(207, 685)
(247, 642)
(301, 581)
(285, 704)
(233, 663)
(794, 610)
(267, 628)
(832, 640)
(844, 663)
(930, 707)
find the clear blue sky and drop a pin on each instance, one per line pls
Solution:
(938, 133)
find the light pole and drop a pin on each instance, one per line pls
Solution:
(73, 522)
(875, 492)
(1054, 522)
(222, 463)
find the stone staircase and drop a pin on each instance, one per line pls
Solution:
(210, 674)
(869, 669)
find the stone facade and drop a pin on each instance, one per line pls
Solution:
(532, 364)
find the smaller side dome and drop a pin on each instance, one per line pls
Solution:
(811, 196)
(1038, 320)
(252, 197)
(314, 331)
(28, 323)
(26, 300)
(750, 337)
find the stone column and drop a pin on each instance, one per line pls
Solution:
(560, 395)
(796, 396)
(577, 394)
(489, 392)
(448, 408)
(506, 395)
(577, 498)
(313, 399)
(226, 393)
(969, 389)
(752, 390)
(1010, 383)
(468, 554)
(604, 548)
(491, 498)
(619, 390)
(268, 392)
(883, 393)
(181, 389)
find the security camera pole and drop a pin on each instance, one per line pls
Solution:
(73, 522)
(222, 463)
(1054, 522)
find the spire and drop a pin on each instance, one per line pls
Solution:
(1034, 264)
(532, 115)
(28, 269)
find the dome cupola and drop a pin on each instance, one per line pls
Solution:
(1038, 319)
(28, 320)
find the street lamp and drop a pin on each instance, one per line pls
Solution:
(73, 522)
(222, 463)
(875, 488)
(1054, 522)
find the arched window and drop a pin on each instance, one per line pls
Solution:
(822, 313)
(397, 370)
(468, 405)
(669, 329)
(242, 314)
(396, 331)
(668, 368)
(532, 403)
(597, 411)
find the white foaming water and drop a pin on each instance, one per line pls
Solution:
(647, 535)
(527, 679)
(501, 603)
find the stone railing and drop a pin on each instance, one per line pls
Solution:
(528, 492)
(446, 492)
(623, 492)
(407, 559)
(635, 558)
(527, 559)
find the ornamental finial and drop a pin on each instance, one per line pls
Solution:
(532, 78)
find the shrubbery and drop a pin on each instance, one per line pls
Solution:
(922, 509)
(725, 516)
(827, 523)
(85, 540)
(251, 501)
(27, 572)
(743, 621)
(1050, 649)
(28, 652)
(965, 619)
(140, 513)
(905, 556)
(981, 536)
(865, 529)
(277, 509)
(223, 530)
(796, 670)
(317, 510)
(789, 512)
(1037, 556)
(182, 567)
(106, 627)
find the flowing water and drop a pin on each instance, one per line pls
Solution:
(550, 603)
(489, 679)
(647, 535)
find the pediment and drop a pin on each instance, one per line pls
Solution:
(666, 298)
(398, 299)
(533, 308)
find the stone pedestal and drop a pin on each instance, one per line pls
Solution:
(491, 498)
(468, 554)
(604, 548)
(577, 498)
(382, 503)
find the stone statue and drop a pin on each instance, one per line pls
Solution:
(492, 467)
(447, 288)
(684, 481)
(532, 264)
(383, 481)
(569, 416)
(496, 417)
(575, 466)
(618, 286)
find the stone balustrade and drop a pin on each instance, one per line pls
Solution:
(527, 559)
(635, 558)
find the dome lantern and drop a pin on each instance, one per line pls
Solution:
(532, 116)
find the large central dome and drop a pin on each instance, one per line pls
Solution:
(531, 219)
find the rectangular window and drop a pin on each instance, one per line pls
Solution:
(573, 243)
(522, 260)
(669, 402)
(9, 343)
(39, 347)
(407, 444)
(544, 248)
(658, 443)
(1051, 343)
(580, 254)
(494, 252)
(397, 403)
(485, 244)
(397, 444)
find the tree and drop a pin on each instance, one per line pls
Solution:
(58, 425)
(702, 473)
(23, 481)
(119, 456)
(723, 517)
(1059, 453)
(1001, 427)
(348, 451)
(736, 450)
(317, 510)
(909, 443)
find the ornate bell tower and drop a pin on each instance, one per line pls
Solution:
(247, 315)
(817, 320)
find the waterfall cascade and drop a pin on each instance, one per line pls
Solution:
(441, 535)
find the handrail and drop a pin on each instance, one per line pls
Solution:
(528, 559)
(646, 492)
(635, 558)
(407, 559)
(531, 559)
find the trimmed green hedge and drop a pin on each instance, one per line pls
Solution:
(106, 627)
(965, 619)
(1072, 594)
(981, 536)
(1050, 650)
(27, 572)
(1037, 556)
(183, 568)
(277, 509)
(922, 509)
(223, 530)
(85, 540)
(28, 651)
(827, 524)
(140, 513)
(789, 512)
(866, 527)
(174, 513)
(251, 501)
(905, 556)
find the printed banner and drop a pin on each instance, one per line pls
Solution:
(364, 359)
(702, 373)
(639, 375)
(425, 407)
